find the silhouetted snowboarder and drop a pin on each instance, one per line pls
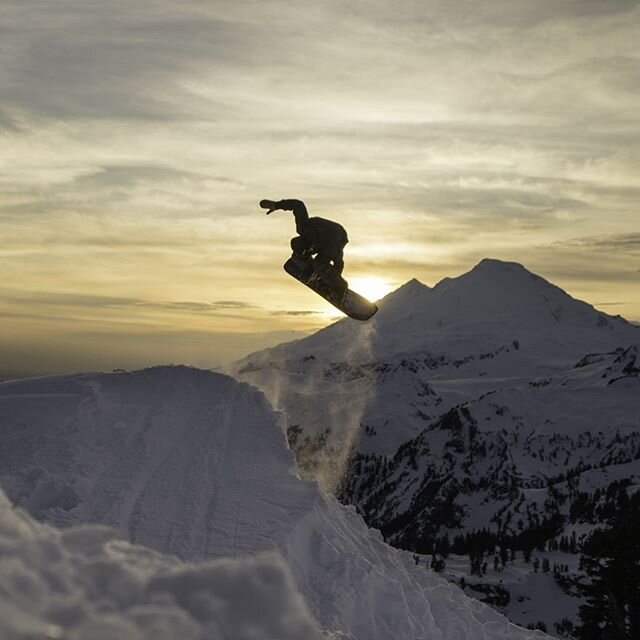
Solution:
(317, 260)
(317, 237)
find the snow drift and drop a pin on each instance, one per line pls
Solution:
(84, 582)
(195, 464)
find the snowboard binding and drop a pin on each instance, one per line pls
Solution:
(320, 274)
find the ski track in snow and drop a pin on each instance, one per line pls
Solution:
(195, 464)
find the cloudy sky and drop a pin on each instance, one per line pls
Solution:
(136, 139)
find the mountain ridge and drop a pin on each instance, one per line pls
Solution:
(493, 305)
(486, 410)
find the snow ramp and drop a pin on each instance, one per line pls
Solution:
(195, 464)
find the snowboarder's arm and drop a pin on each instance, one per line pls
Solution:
(297, 206)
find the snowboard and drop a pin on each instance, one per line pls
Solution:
(349, 302)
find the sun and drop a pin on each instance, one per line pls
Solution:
(371, 287)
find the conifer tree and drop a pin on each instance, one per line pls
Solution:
(611, 557)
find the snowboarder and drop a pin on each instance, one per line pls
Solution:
(316, 236)
(317, 260)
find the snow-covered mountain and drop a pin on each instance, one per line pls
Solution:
(194, 464)
(484, 408)
(477, 313)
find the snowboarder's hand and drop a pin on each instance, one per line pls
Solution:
(269, 204)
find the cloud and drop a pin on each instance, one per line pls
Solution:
(199, 307)
(113, 60)
(130, 175)
(298, 313)
(517, 14)
(7, 123)
(66, 347)
(67, 299)
(143, 135)
(82, 300)
(623, 242)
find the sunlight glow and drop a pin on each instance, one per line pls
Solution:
(371, 287)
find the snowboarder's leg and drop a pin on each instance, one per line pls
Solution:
(302, 253)
(326, 268)
(323, 264)
(338, 263)
(300, 248)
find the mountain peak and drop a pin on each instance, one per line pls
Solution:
(497, 266)
(492, 269)
(495, 303)
(405, 294)
(410, 287)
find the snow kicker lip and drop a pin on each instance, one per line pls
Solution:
(195, 464)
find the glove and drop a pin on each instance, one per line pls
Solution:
(271, 205)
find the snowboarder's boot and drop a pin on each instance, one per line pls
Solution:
(328, 273)
(305, 263)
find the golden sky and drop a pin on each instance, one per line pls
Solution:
(136, 139)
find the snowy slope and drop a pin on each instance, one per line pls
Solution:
(84, 582)
(496, 456)
(488, 401)
(373, 386)
(195, 464)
